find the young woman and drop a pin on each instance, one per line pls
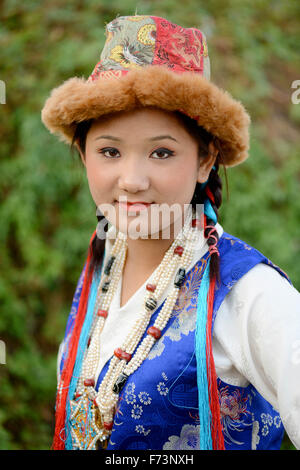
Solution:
(170, 341)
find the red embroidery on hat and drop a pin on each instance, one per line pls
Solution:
(105, 74)
(181, 49)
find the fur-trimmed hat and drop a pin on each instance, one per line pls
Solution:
(149, 61)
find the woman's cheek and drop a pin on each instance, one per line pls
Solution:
(95, 190)
(94, 180)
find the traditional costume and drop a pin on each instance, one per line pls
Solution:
(187, 362)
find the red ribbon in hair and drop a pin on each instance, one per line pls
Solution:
(209, 194)
(214, 403)
(66, 375)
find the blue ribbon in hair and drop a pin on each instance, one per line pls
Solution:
(208, 209)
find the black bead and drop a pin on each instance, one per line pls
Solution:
(105, 286)
(120, 382)
(151, 303)
(109, 265)
(179, 278)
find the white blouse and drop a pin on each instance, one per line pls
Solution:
(256, 336)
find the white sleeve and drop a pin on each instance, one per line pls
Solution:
(257, 330)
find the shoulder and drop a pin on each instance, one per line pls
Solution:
(252, 284)
(237, 258)
(261, 307)
(263, 296)
(265, 278)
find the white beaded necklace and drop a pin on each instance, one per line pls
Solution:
(128, 357)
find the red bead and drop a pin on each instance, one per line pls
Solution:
(77, 395)
(196, 223)
(102, 313)
(151, 287)
(122, 354)
(155, 332)
(89, 383)
(178, 250)
(89, 341)
(108, 426)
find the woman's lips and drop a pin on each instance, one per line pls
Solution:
(133, 207)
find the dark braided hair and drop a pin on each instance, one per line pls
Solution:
(214, 188)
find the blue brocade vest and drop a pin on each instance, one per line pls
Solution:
(158, 407)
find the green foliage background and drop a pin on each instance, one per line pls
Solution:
(47, 214)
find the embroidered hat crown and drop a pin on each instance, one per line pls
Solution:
(138, 41)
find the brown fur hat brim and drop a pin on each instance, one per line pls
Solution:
(78, 100)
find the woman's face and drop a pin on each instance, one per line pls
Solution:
(144, 155)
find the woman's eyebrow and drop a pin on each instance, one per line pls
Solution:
(158, 137)
(110, 137)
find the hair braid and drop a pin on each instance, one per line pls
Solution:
(212, 192)
(215, 185)
(98, 247)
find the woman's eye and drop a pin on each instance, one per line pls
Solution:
(163, 152)
(107, 151)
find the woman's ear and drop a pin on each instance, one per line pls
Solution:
(206, 163)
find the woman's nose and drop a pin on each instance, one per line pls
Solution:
(133, 177)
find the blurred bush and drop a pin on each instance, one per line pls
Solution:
(47, 213)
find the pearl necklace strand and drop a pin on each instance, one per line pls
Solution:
(126, 360)
(104, 300)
